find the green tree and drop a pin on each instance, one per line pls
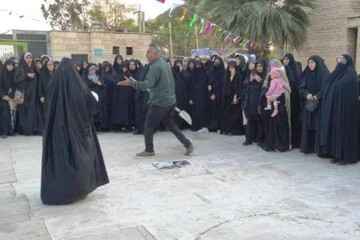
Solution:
(112, 14)
(66, 14)
(184, 37)
(282, 22)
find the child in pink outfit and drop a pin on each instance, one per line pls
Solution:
(276, 89)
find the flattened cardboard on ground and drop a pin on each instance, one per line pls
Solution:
(171, 164)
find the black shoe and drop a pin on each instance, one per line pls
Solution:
(265, 148)
(324, 155)
(126, 130)
(343, 163)
(334, 161)
(247, 143)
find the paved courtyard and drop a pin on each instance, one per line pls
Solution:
(229, 192)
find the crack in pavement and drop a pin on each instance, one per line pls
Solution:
(210, 229)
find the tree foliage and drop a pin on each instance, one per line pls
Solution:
(79, 14)
(184, 37)
(112, 14)
(283, 22)
(66, 14)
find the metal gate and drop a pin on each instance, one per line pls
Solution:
(10, 48)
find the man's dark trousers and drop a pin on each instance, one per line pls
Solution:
(164, 115)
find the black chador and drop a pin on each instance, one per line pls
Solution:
(198, 95)
(44, 80)
(339, 114)
(232, 118)
(72, 162)
(26, 81)
(123, 102)
(97, 85)
(313, 82)
(181, 92)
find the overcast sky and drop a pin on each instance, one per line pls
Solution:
(33, 20)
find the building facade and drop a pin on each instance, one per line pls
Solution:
(98, 46)
(93, 46)
(334, 30)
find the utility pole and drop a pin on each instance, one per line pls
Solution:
(196, 37)
(171, 43)
(141, 20)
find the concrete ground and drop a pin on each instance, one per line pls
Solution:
(229, 192)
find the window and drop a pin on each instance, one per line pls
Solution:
(116, 50)
(129, 51)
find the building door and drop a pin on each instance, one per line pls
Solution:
(78, 58)
(352, 42)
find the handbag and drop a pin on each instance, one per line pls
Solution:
(311, 105)
(19, 97)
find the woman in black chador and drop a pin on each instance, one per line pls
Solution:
(97, 85)
(198, 96)
(313, 81)
(216, 76)
(141, 103)
(26, 81)
(181, 92)
(123, 102)
(118, 64)
(339, 114)
(232, 119)
(252, 87)
(7, 92)
(44, 79)
(108, 77)
(293, 74)
(72, 162)
(276, 129)
(83, 66)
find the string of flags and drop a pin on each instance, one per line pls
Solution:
(15, 14)
(208, 27)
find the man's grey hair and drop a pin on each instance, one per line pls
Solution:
(155, 47)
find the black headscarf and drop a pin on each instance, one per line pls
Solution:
(263, 74)
(236, 83)
(82, 69)
(175, 68)
(106, 64)
(216, 75)
(139, 65)
(315, 79)
(133, 73)
(341, 69)
(191, 60)
(117, 66)
(293, 67)
(7, 78)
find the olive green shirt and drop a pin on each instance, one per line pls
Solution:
(160, 82)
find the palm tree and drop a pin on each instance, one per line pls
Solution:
(282, 22)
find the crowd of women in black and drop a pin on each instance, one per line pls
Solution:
(319, 115)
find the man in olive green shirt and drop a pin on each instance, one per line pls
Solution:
(162, 101)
